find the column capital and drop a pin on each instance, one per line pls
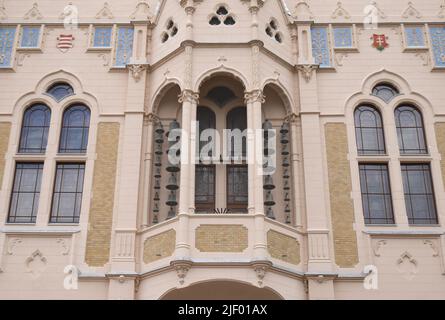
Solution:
(292, 118)
(152, 118)
(254, 96)
(188, 96)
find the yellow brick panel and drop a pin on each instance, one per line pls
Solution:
(283, 247)
(101, 209)
(221, 238)
(5, 130)
(340, 188)
(440, 137)
(159, 246)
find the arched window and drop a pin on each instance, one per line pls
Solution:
(410, 131)
(35, 127)
(237, 173)
(369, 131)
(75, 129)
(237, 120)
(205, 171)
(385, 91)
(60, 91)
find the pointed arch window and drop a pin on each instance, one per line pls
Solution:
(75, 129)
(35, 127)
(410, 130)
(369, 131)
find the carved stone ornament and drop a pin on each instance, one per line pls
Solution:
(440, 14)
(411, 11)
(340, 12)
(303, 11)
(432, 244)
(407, 266)
(188, 96)
(292, 118)
(254, 96)
(36, 264)
(105, 12)
(181, 268)
(377, 245)
(33, 13)
(137, 70)
(12, 244)
(64, 245)
(142, 12)
(3, 14)
(307, 70)
(261, 269)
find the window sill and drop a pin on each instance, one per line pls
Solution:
(416, 158)
(99, 49)
(376, 159)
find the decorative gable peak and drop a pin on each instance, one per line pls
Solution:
(142, 12)
(105, 12)
(441, 13)
(340, 12)
(411, 11)
(189, 3)
(33, 13)
(3, 14)
(255, 3)
(303, 11)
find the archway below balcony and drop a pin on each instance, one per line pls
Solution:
(221, 290)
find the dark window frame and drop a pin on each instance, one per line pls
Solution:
(384, 194)
(419, 127)
(206, 206)
(237, 207)
(378, 128)
(54, 88)
(55, 217)
(425, 168)
(12, 218)
(27, 126)
(67, 128)
(384, 86)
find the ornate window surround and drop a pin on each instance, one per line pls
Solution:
(406, 46)
(393, 158)
(11, 66)
(91, 33)
(353, 47)
(51, 157)
(37, 48)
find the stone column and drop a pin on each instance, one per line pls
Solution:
(320, 265)
(254, 100)
(123, 261)
(148, 164)
(186, 189)
(296, 161)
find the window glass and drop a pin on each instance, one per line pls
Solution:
(35, 127)
(25, 193)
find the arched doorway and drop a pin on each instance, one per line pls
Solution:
(221, 290)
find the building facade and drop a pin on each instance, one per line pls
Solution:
(92, 207)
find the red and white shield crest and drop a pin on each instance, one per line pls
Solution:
(65, 42)
(380, 42)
